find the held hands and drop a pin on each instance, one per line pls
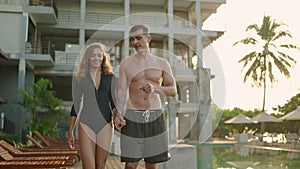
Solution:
(119, 121)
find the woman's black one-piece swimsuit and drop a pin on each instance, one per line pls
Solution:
(97, 105)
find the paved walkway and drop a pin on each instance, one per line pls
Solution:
(113, 162)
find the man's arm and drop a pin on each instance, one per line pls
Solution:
(169, 85)
(121, 97)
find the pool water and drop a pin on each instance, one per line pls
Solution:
(243, 157)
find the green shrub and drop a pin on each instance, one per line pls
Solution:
(43, 109)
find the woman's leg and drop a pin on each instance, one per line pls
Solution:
(87, 146)
(104, 139)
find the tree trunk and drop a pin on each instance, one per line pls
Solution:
(265, 81)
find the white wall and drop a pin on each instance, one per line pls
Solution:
(10, 32)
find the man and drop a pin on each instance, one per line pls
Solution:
(143, 128)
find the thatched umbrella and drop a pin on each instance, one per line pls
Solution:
(239, 119)
(294, 115)
(263, 117)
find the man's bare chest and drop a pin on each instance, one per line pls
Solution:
(148, 73)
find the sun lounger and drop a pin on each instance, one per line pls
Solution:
(51, 141)
(44, 148)
(34, 141)
(42, 138)
(9, 161)
(31, 164)
(16, 152)
(6, 156)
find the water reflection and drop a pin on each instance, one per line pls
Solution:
(242, 157)
(243, 164)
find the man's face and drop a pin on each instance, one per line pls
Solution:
(139, 40)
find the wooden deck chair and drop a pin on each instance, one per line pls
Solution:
(40, 147)
(8, 157)
(34, 141)
(51, 141)
(16, 152)
(42, 138)
(31, 164)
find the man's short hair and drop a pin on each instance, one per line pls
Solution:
(145, 28)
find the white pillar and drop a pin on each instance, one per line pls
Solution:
(198, 46)
(171, 33)
(82, 23)
(204, 116)
(127, 27)
(172, 117)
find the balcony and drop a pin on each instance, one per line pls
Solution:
(40, 54)
(63, 58)
(42, 11)
(152, 19)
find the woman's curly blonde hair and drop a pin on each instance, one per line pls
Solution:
(84, 64)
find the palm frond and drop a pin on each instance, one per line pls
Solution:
(289, 46)
(282, 34)
(265, 29)
(281, 67)
(247, 41)
(253, 73)
(248, 57)
(287, 56)
(281, 59)
(270, 71)
(253, 26)
(274, 25)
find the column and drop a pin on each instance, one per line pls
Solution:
(22, 72)
(172, 117)
(171, 33)
(199, 33)
(127, 27)
(204, 116)
(82, 23)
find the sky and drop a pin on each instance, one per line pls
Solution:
(228, 89)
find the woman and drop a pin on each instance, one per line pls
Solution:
(93, 103)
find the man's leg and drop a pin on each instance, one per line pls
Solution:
(150, 166)
(132, 141)
(131, 165)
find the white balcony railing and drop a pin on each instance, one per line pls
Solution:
(155, 20)
(11, 2)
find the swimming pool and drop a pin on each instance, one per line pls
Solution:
(245, 157)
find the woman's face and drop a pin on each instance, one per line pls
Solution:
(96, 58)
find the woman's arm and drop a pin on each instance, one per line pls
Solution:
(72, 119)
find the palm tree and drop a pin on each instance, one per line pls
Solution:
(260, 63)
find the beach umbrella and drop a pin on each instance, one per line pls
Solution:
(264, 117)
(239, 119)
(294, 115)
